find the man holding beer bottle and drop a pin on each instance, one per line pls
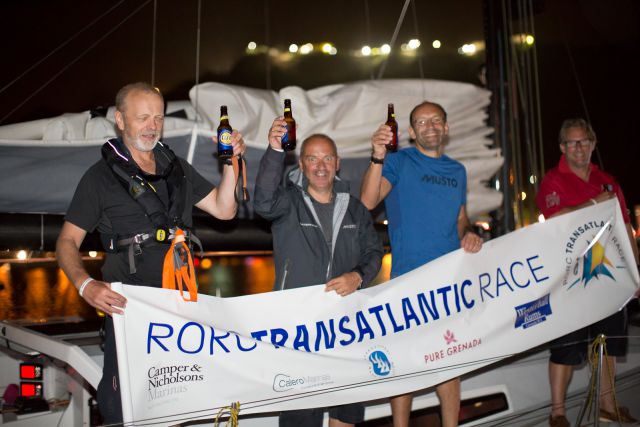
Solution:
(425, 199)
(137, 185)
(321, 234)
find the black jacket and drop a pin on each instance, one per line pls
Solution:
(302, 257)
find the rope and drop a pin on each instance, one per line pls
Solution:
(367, 21)
(198, 54)
(76, 59)
(416, 30)
(538, 97)
(594, 356)
(232, 411)
(394, 36)
(63, 44)
(267, 40)
(578, 84)
(153, 43)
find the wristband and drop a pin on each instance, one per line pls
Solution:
(84, 284)
(376, 160)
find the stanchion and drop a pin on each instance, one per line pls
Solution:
(594, 384)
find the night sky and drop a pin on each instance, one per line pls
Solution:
(601, 37)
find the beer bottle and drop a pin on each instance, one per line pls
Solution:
(225, 150)
(391, 122)
(289, 139)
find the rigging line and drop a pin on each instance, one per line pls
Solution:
(367, 21)
(417, 32)
(153, 43)
(518, 96)
(514, 132)
(267, 39)
(69, 40)
(538, 100)
(574, 70)
(393, 37)
(531, 129)
(534, 98)
(529, 119)
(199, 19)
(76, 59)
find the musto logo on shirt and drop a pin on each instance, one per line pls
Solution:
(440, 180)
(586, 258)
(380, 363)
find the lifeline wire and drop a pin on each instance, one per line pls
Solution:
(65, 68)
(192, 415)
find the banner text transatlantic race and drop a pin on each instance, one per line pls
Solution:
(305, 348)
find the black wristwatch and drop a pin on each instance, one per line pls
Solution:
(376, 160)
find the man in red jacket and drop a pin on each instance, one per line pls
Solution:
(573, 184)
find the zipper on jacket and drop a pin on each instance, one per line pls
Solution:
(284, 274)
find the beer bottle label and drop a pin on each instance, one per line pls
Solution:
(224, 138)
(285, 137)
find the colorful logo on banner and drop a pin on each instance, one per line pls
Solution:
(381, 365)
(533, 312)
(449, 337)
(452, 347)
(595, 263)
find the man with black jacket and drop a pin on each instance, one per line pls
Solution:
(133, 229)
(321, 234)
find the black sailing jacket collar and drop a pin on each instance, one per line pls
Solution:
(138, 184)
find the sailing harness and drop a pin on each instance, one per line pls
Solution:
(166, 225)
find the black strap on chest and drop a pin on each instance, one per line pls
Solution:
(139, 185)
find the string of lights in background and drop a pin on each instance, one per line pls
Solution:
(410, 48)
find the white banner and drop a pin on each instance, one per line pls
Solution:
(305, 348)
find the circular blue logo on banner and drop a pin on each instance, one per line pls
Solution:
(380, 364)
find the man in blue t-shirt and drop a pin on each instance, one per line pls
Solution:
(425, 199)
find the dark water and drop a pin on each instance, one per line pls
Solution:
(37, 291)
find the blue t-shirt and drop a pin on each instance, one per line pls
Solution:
(422, 207)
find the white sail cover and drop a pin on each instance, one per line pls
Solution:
(43, 160)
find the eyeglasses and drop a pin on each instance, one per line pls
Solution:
(435, 121)
(583, 143)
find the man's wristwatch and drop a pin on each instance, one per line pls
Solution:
(376, 160)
